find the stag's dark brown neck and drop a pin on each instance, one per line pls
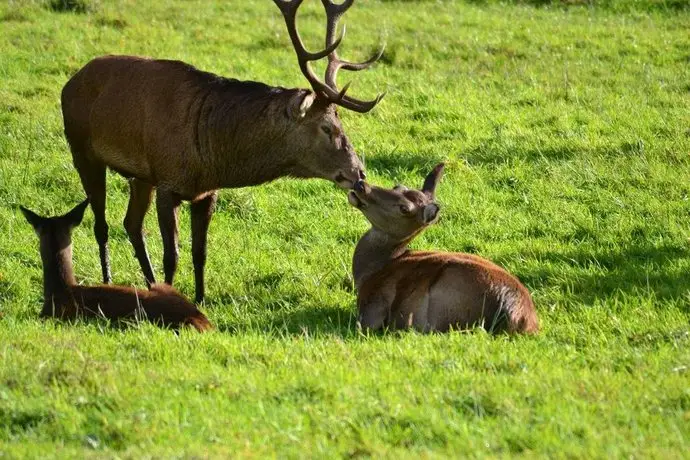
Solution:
(247, 135)
(374, 251)
(58, 275)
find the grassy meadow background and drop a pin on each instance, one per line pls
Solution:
(566, 128)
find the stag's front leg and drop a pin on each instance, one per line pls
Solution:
(202, 211)
(140, 194)
(167, 207)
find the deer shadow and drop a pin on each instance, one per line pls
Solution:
(304, 320)
(633, 269)
(491, 152)
(396, 163)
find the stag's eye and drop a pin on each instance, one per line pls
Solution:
(327, 130)
(405, 209)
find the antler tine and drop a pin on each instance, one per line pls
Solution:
(329, 88)
(360, 106)
(333, 14)
(289, 11)
(335, 10)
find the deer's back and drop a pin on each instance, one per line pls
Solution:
(434, 291)
(146, 118)
(162, 304)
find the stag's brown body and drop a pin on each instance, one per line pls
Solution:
(186, 132)
(428, 291)
(64, 299)
(180, 129)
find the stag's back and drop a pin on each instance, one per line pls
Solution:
(162, 121)
(121, 111)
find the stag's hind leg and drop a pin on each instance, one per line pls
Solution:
(140, 194)
(202, 211)
(92, 174)
(167, 207)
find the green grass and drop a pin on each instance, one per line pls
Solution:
(566, 127)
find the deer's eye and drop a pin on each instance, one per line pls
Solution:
(405, 209)
(327, 130)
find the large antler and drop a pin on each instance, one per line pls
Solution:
(329, 89)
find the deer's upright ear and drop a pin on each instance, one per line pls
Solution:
(75, 216)
(432, 180)
(430, 213)
(34, 219)
(300, 104)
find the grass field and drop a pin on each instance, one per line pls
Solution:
(566, 128)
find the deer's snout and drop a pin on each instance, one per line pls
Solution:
(361, 187)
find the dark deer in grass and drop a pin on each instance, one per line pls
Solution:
(428, 291)
(188, 133)
(64, 298)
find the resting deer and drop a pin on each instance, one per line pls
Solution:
(188, 133)
(428, 291)
(63, 298)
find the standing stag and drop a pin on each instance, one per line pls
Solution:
(188, 133)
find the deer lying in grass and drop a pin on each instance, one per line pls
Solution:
(429, 291)
(63, 298)
(167, 125)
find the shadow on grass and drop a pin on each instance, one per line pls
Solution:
(633, 270)
(396, 163)
(640, 5)
(304, 320)
(496, 152)
(484, 154)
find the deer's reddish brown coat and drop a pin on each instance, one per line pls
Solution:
(429, 291)
(63, 298)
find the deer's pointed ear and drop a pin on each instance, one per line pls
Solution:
(34, 219)
(300, 104)
(430, 213)
(432, 180)
(74, 217)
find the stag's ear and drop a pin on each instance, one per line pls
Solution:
(74, 217)
(430, 213)
(300, 104)
(34, 219)
(429, 187)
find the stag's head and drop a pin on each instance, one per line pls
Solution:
(333, 157)
(400, 213)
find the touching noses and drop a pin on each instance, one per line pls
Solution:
(361, 187)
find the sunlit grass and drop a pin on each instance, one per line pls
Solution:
(566, 130)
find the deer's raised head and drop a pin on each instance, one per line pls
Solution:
(316, 111)
(55, 233)
(400, 213)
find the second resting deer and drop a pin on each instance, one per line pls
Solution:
(427, 290)
(63, 298)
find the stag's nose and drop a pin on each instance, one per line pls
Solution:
(359, 186)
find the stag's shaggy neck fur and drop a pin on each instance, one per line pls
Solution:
(265, 153)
